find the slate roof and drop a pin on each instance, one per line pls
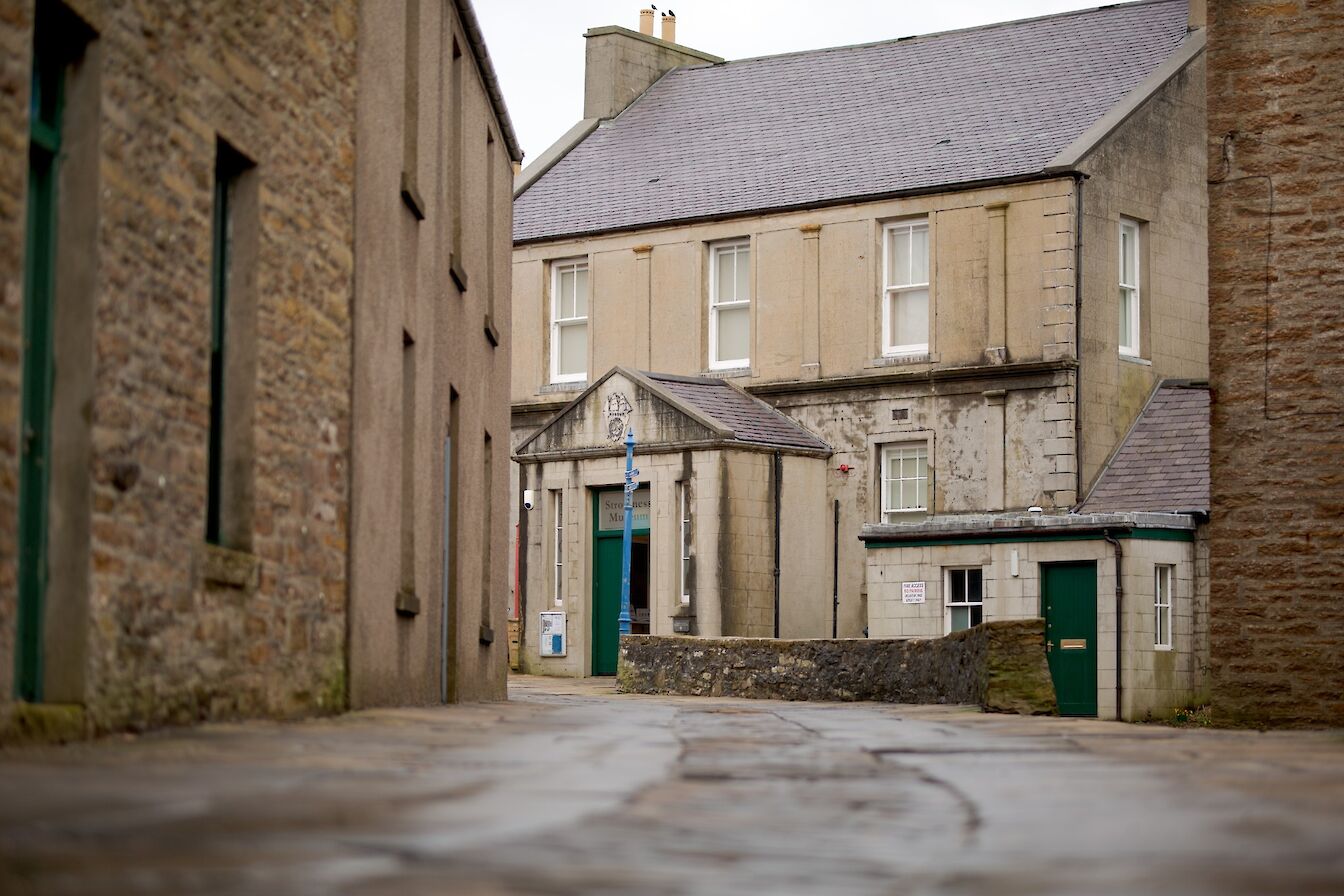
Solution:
(826, 126)
(750, 419)
(1163, 464)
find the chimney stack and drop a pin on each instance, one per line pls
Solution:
(1198, 15)
(620, 64)
(669, 28)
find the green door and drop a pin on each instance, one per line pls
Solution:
(44, 146)
(1069, 605)
(606, 604)
(608, 530)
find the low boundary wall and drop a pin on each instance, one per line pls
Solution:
(999, 666)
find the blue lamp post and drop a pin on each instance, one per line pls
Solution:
(630, 484)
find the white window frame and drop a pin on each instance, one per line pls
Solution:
(1130, 326)
(1164, 577)
(685, 505)
(558, 545)
(948, 595)
(559, 321)
(891, 287)
(738, 247)
(903, 449)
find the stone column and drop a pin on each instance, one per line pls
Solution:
(811, 329)
(996, 352)
(644, 283)
(994, 445)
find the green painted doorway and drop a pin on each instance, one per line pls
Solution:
(608, 530)
(1069, 605)
(39, 308)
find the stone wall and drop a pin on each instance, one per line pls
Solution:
(158, 638)
(1150, 170)
(1000, 666)
(1276, 108)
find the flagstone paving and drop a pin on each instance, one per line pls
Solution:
(570, 788)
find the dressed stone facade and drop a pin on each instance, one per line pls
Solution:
(933, 298)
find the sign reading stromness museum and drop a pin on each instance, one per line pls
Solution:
(611, 510)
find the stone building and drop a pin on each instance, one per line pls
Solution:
(917, 249)
(253, 264)
(1276, 275)
(725, 538)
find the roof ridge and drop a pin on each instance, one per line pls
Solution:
(912, 38)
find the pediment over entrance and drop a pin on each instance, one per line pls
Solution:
(666, 412)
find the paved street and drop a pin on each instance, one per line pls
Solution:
(570, 788)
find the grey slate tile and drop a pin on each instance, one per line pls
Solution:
(1163, 465)
(750, 419)
(852, 122)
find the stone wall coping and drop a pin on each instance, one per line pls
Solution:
(970, 524)
(1000, 666)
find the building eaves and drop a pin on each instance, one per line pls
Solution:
(476, 38)
(994, 104)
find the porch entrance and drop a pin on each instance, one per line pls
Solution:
(1069, 605)
(608, 530)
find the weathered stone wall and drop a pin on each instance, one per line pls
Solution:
(163, 643)
(1276, 109)
(431, 288)
(1150, 170)
(15, 72)
(1000, 666)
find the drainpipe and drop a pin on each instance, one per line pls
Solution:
(1119, 614)
(1078, 337)
(835, 572)
(520, 589)
(778, 475)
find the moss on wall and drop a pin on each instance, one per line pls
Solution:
(1000, 666)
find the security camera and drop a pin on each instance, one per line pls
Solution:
(529, 499)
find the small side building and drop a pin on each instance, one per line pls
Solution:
(1122, 581)
(730, 536)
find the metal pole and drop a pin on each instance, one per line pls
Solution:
(630, 474)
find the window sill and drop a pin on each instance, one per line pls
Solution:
(1162, 648)
(407, 603)
(1135, 359)
(903, 516)
(220, 566)
(552, 388)
(900, 360)
(727, 372)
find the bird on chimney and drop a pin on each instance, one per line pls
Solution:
(670, 13)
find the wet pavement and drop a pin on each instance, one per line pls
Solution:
(570, 788)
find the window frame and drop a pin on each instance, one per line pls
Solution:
(560, 267)
(891, 289)
(885, 451)
(1162, 610)
(737, 245)
(1130, 336)
(949, 603)
(684, 504)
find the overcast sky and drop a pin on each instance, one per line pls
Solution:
(537, 45)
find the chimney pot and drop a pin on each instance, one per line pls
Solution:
(670, 29)
(646, 22)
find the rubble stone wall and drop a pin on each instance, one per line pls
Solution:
(174, 630)
(1276, 275)
(1000, 666)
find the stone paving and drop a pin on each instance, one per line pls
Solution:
(573, 789)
